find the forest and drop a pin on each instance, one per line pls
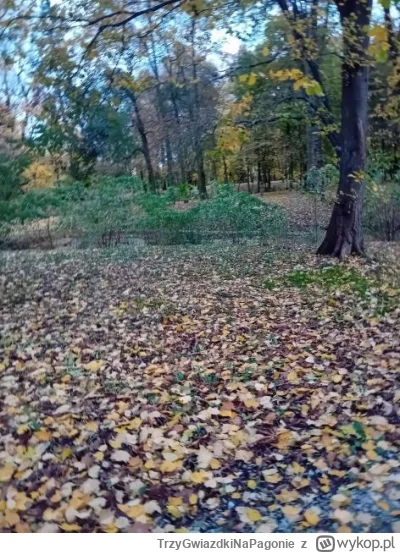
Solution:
(309, 99)
(199, 265)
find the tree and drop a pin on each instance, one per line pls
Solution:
(344, 234)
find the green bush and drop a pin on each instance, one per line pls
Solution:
(11, 169)
(226, 214)
(238, 214)
(105, 214)
(106, 211)
(128, 183)
(72, 199)
(322, 180)
(382, 209)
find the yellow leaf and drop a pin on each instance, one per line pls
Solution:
(70, 527)
(6, 473)
(285, 439)
(251, 81)
(22, 528)
(301, 83)
(249, 403)
(170, 466)
(11, 517)
(43, 435)
(297, 469)
(94, 366)
(199, 477)
(287, 496)
(383, 505)
(311, 517)
(292, 376)
(133, 511)
(193, 499)
(254, 515)
(215, 464)
(174, 511)
(22, 429)
(273, 478)
(20, 499)
(344, 530)
(337, 378)
(177, 501)
(92, 426)
(372, 455)
(290, 511)
(134, 424)
(227, 413)
(56, 497)
(252, 484)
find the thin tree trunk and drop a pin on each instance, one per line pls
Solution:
(314, 147)
(161, 109)
(143, 138)
(344, 234)
(226, 177)
(201, 173)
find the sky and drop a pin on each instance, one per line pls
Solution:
(229, 44)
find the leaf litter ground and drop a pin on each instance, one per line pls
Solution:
(199, 389)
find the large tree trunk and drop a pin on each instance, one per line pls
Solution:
(344, 234)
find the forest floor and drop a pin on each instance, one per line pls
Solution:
(199, 388)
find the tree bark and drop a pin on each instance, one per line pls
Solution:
(143, 138)
(344, 235)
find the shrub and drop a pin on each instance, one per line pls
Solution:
(105, 211)
(39, 174)
(76, 201)
(382, 209)
(11, 169)
(238, 214)
(125, 182)
(226, 214)
(323, 180)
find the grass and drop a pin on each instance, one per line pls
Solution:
(117, 211)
